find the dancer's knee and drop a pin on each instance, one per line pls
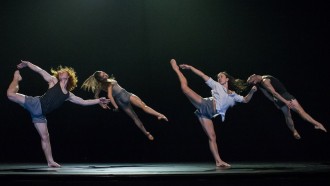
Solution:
(11, 96)
(212, 138)
(44, 137)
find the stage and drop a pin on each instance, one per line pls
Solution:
(241, 173)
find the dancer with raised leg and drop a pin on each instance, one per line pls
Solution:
(60, 85)
(210, 107)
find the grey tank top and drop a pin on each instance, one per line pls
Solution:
(116, 89)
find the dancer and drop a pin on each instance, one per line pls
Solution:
(276, 92)
(119, 98)
(207, 108)
(60, 85)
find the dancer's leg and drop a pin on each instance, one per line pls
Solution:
(130, 112)
(45, 144)
(208, 127)
(136, 101)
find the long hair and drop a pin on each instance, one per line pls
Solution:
(91, 84)
(237, 85)
(73, 79)
(95, 82)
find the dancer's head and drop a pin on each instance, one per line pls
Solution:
(253, 79)
(66, 73)
(101, 76)
(96, 80)
(237, 85)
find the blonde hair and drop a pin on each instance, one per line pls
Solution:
(91, 84)
(95, 82)
(73, 79)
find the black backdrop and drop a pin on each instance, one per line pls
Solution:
(135, 40)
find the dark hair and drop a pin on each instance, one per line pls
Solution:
(237, 85)
(97, 76)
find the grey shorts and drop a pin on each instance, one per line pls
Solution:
(32, 104)
(206, 109)
(286, 96)
(123, 98)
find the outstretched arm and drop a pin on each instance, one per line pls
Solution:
(195, 70)
(78, 100)
(47, 77)
(96, 95)
(248, 97)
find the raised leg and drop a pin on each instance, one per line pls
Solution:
(136, 101)
(12, 91)
(298, 109)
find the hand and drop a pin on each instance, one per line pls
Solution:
(185, 66)
(103, 100)
(104, 106)
(254, 89)
(22, 64)
(289, 104)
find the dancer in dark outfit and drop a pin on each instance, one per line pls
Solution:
(60, 84)
(276, 92)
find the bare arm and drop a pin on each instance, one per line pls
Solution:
(270, 88)
(79, 101)
(47, 77)
(112, 100)
(248, 97)
(96, 95)
(195, 70)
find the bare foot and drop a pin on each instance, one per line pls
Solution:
(223, 165)
(162, 117)
(150, 137)
(296, 135)
(54, 165)
(17, 76)
(174, 65)
(321, 127)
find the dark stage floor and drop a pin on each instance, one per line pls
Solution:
(265, 173)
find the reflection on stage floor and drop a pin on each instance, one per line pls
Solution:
(284, 173)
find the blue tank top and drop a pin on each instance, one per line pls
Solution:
(52, 99)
